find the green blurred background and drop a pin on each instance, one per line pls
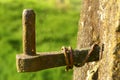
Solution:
(56, 26)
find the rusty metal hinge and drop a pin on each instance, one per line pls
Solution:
(31, 61)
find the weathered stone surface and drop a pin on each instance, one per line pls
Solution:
(88, 34)
(110, 37)
(100, 22)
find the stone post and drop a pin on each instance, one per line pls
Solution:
(100, 23)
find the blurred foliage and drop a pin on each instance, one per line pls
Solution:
(56, 25)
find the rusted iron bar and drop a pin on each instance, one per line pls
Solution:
(28, 22)
(45, 60)
(29, 61)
